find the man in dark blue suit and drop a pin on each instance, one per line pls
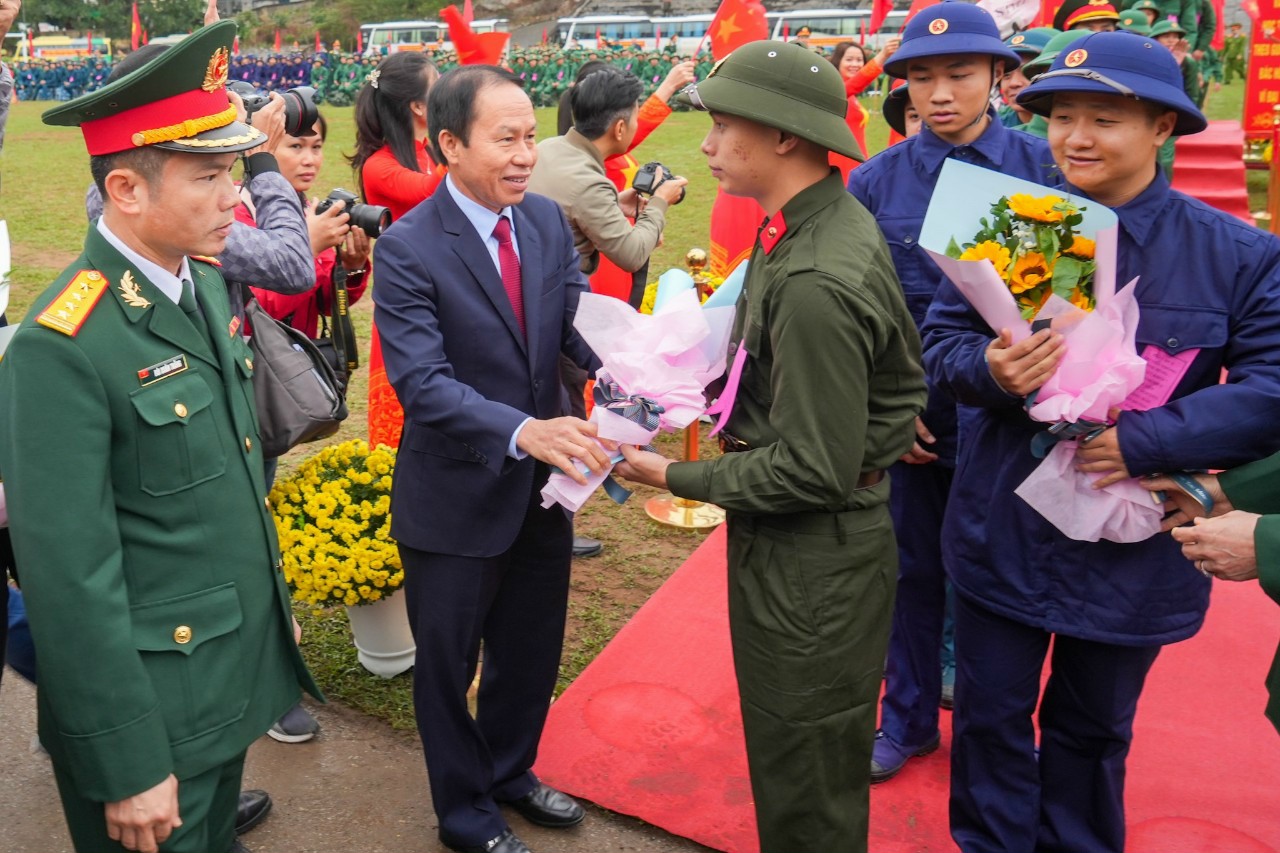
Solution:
(477, 288)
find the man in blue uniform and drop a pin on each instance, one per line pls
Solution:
(1210, 299)
(952, 56)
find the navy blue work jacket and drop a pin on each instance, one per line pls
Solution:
(1208, 282)
(896, 185)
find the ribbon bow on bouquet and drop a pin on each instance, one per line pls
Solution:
(655, 369)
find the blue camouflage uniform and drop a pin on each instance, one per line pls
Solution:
(1208, 282)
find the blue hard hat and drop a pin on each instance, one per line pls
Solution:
(1116, 64)
(947, 29)
(1030, 42)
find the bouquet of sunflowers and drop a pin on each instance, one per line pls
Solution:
(706, 285)
(1032, 243)
(334, 524)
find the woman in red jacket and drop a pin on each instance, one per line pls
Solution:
(396, 171)
(300, 159)
(859, 73)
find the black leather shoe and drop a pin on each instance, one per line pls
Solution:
(251, 810)
(546, 806)
(586, 547)
(237, 847)
(507, 842)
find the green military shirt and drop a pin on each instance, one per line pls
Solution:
(138, 515)
(833, 381)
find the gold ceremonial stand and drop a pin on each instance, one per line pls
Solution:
(669, 509)
(682, 512)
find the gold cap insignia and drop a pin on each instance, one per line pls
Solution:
(215, 76)
(1099, 2)
(1018, 39)
(938, 26)
(1076, 57)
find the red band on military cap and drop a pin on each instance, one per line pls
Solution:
(1093, 11)
(115, 133)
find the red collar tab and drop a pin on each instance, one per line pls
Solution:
(772, 232)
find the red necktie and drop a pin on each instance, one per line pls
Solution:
(510, 263)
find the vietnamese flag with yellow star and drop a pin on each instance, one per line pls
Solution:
(736, 23)
(734, 220)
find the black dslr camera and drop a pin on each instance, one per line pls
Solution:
(300, 113)
(650, 176)
(371, 217)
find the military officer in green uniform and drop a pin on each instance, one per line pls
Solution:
(129, 448)
(828, 397)
(1235, 48)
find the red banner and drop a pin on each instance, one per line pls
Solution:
(736, 23)
(1262, 89)
(135, 30)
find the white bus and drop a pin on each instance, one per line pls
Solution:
(585, 32)
(394, 36)
(829, 27)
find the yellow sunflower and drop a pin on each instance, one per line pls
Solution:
(1081, 300)
(1035, 209)
(1029, 272)
(989, 250)
(1081, 247)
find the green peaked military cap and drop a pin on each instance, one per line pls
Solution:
(781, 85)
(177, 101)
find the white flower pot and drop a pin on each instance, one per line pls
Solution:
(384, 643)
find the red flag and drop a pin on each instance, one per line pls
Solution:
(276, 45)
(880, 10)
(544, 35)
(734, 222)
(736, 23)
(31, 46)
(89, 40)
(319, 46)
(468, 14)
(359, 43)
(135, 29)
(1219, 34)
(1048, 9)
(657, 37)
(146, 37)
(473, 49)
(235, 45)
(786, 31)
(862, 34)
(918, 5)
(1250, 8)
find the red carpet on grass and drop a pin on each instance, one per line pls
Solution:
(651, 728)
(1210, 166)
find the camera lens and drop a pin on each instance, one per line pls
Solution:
(370, 217)
(300, 113)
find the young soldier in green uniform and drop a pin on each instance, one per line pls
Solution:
(827, 401)
(134, 479)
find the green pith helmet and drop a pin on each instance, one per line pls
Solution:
(1135, 21)
(1162, 27)
(781, 85)
(1146, 6)
(1041, 63)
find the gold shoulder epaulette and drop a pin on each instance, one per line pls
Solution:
(71, 308)
(214, 261)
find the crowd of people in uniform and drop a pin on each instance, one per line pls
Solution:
(858, 365)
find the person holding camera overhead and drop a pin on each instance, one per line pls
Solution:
(333, 238)
(394, 170)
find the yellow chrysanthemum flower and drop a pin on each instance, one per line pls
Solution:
(989, 250)
(1036, 209)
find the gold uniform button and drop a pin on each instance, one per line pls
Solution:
(180, 410)
(182, 635)
(248, 444)
(772, 232)
(248, 362)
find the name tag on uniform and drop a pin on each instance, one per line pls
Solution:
(156, 372)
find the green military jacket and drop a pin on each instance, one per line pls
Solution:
(1233, 47)
(1256, 488)
(833, 381)
(149, 560)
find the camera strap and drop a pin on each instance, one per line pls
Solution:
(344, 334)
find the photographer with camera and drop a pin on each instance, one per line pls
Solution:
(570, 169)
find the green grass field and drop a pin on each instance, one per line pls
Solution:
(45, 175)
